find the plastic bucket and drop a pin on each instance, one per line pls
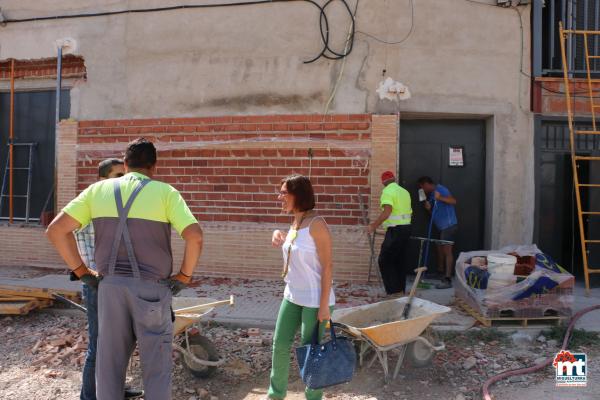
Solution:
(501, 264)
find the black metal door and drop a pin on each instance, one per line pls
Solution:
(33, 122)
(425, 150)
(558, 230)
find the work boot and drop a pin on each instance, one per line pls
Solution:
(446, 283)
(131, 393)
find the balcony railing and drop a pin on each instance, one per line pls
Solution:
(574, 14)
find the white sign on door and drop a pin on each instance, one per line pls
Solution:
(456, 158)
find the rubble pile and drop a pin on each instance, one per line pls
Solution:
(63, 346)
(467, 362)
(246, 351)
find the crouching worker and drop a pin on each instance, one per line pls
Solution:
(132, 218)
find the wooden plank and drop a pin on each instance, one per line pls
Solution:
(17, 307)
(45, 303)
(43, 293)
(16, 298)
(473, 313)
(42, 287)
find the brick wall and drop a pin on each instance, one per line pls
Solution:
(215, 160)
(229, 168)
(72, 67)
(20, 245)
(549, 97)
(66, 171)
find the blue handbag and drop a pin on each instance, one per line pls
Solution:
(326, 364)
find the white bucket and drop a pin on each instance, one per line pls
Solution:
(497, 281)
(501, 264)
(501, 268)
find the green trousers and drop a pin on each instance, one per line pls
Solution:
(291, 317)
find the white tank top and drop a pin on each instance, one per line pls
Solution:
(304, 275)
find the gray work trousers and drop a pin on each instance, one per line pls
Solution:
(130, 309)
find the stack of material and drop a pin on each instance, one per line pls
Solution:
(20, 296)
(540, 289)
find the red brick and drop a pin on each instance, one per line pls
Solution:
(339, 118)
(249, 127)
(359, 117)
(331, 126)
(296, 127)
(280, 127)
(314, 127)
(232, 127)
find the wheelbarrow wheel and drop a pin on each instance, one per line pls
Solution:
(420, 355)
(201, 347)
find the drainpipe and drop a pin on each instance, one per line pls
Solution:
(57, 119)
(11, 135)
(69, 45)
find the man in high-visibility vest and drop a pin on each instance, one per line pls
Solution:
(396, 217)
(133, 216)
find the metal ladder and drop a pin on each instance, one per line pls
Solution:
(577, 157)
(31, 146)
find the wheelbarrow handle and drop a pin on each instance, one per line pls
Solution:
(186, 310)
(71, 303)
(350, 329)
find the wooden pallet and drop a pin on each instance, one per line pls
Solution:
(508, 321)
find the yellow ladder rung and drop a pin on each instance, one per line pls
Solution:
(579, 132)
(593, 56)
(580, 32)
(592, 241)
(595, 105)
(590, 212)
(593, 270)
(587, 158)
(589, 184)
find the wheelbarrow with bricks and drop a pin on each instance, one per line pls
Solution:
(199, 354)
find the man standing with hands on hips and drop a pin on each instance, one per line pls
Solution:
(132, 217)
(107, 169)
(396, 218)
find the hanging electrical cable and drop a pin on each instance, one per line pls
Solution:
(326, 51)
(405, 38)
(349, 41)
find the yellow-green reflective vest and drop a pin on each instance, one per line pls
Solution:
(399, 198)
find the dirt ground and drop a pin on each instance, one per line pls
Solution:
(456, 373)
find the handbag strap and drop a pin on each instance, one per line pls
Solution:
(315, 338)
